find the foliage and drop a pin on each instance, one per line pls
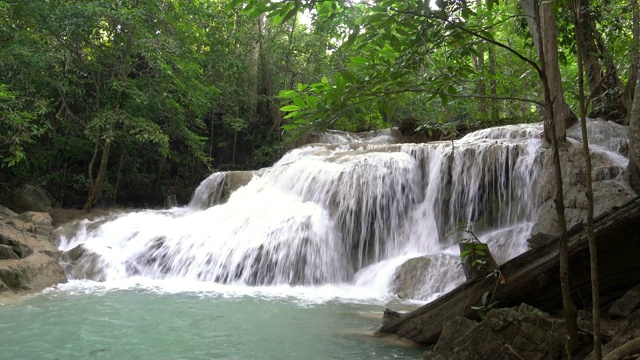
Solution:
(18, 128)
(487, 304)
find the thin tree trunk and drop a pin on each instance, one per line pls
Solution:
(545, 22)
(634, 114)
(478, 62)
(493, 84)
(629, 90)
(252, 77)
(593, 252)
(94, 192)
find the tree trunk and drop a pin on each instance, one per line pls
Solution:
(493, 84)
(545, 40)
(554, 101)
(96, 186)
(593, 253)
(478, 63)
(252, 65)
(274, 111)
(533, 277)
(634, 140)
(601, 78)
(629, 91)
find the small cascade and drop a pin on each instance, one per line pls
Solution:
(209, 192)
(349, 211)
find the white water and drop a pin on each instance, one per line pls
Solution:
(333, 221)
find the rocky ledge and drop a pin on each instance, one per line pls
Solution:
(28, 260)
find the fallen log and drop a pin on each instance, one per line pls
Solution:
(533, 277)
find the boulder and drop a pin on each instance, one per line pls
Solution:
(35, 272)
(7, 253)
(27, 237)
(420, 277)
(609, 187)
(28, 260)
(81, 263)
(32, 198)
(624, 306)
(6, 213)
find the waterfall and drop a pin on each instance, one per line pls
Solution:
(350, 211)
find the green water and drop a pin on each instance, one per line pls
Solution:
(147, 324)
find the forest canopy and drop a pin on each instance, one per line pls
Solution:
(131, 101)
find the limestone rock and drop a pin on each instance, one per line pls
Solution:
(412, 276)
(35, 272)
(81, 263)
(32, 198)
(609, 187)
(28, 260)
(6, 213)
(7, 253)
(627, 304)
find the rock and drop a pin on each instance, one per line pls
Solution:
(6, 213)
(624, 306)
(234, 181)
(522, 332)
(7, 253)
(170, 201)
(35, 272)
(81, 263)
(25, 238)
(609, 187)
(624, 332)
(32, 198)
(28, 260)
(410, 278)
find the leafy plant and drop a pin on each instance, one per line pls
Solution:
(487, 304)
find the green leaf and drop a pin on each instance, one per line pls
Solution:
(290, 108)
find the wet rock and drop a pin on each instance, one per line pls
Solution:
(32, 198)
(170, 201)
(627, 304)
(412, 276)
(80, 263)
(409, 276)
(609, 187)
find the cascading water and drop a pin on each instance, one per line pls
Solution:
(281, 263)
(344, 213)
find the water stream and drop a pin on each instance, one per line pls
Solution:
(292, 264)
